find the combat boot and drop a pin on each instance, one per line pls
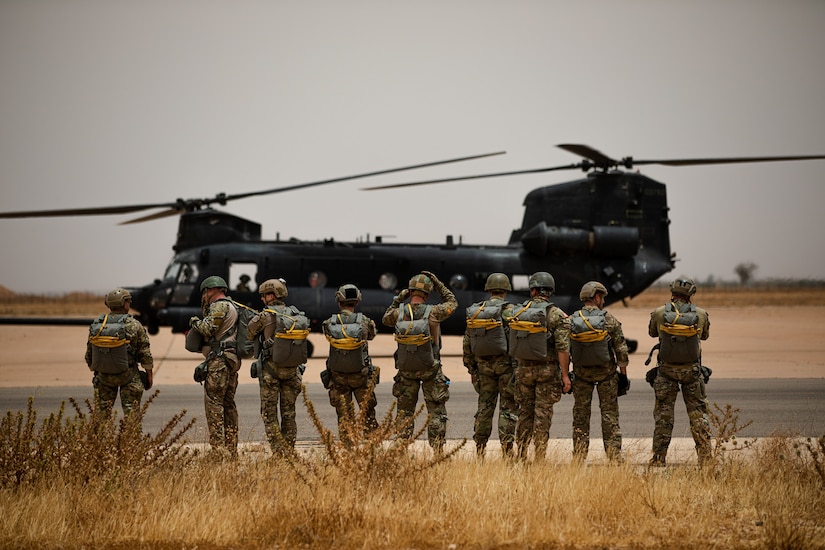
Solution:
(507, 449)
(481, 448)
(658, 461)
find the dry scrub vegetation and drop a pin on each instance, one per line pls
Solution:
(75, 482)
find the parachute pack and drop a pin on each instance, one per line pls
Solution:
(110, 344)
(289, 348)
(486, 330)
(528, 332)
(679, 335)
(589, 341)
(245, 345)
(415, 343)
(347, 344)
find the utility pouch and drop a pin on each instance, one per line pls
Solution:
(325, 376)
(201, 372)
(194, 341)
(650, 376)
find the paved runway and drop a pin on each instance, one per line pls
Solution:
(786, 406)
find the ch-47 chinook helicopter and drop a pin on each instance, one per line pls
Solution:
(611, 226)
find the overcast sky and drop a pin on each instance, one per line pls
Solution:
(106, 103)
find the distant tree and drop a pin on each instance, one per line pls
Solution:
(745, 272)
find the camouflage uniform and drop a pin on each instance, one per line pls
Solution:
(218, 328)
(666, 386)
(432, 382)
(605, 378)
(539, 384)
(128, 382)
(346, 385)
(278, 386)
(493, 377)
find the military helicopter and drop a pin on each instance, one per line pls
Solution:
(611, 226)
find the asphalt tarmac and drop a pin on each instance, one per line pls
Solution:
(775, 407)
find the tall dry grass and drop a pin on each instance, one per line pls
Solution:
(364, 493)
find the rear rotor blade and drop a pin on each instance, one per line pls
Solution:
(94, 211)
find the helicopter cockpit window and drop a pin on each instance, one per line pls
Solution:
(181, 273)
(317, 279)
(388, 281)
(459, 282)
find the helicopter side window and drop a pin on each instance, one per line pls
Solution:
(521, 283)
(188, 274)
(243, 276)
(317, 279)
(388, 281)
(459, 282)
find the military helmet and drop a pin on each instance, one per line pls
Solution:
(213, 281)
(498, 281)
(421, 282)
(684, 286)
(590, 289)
(275, 286)
(542, 279)
(116, 298)
(245, 278)
(348, 293)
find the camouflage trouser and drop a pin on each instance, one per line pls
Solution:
(107, 386)
(494, 377)
(666, 387)
(219, 401)
(436, 393)
(608, 390)
(538, 388)
(280, 386)
(343, 387)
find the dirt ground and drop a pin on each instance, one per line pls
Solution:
(746, 342)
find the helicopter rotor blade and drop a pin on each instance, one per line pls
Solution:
(479, 176)
(156, 216)
(589, 153)
(94, 211)
(731, 160)
(358, 176)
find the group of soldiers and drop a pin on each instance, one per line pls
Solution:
(522, 357)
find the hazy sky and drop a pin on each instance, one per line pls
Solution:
(106, 103)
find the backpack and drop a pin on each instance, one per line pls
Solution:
(589, 341)
(110, 344)
(679, 335)
(289, 348)
(486, 330)
(347, 344)
(528, 332)
(244, 346)
(415, 343)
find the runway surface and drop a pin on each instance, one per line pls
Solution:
(776, 406)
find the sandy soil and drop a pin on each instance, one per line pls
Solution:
(745, 342)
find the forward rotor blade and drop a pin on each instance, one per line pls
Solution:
(94, 211)
(358, 176)
(156, 216)
(732, 160)
(589, 153)
(479, 176)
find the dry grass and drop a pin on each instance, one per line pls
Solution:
(153, 497)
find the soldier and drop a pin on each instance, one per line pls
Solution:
(243, 283)
(219, 331)
(597, 346)
(280, 383)
(680, 325)
(490, 366)
(117, 344)
(418, 358)
(539, 339)
(349, 364)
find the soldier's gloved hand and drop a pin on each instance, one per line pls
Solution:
(624, 384)
(402, 296)
(436, 281)
(193, 320)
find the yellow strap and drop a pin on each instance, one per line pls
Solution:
(486, 324)
(107, 341)
(415, 340)
(679, 330)
(527, 326)
(293, 334)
